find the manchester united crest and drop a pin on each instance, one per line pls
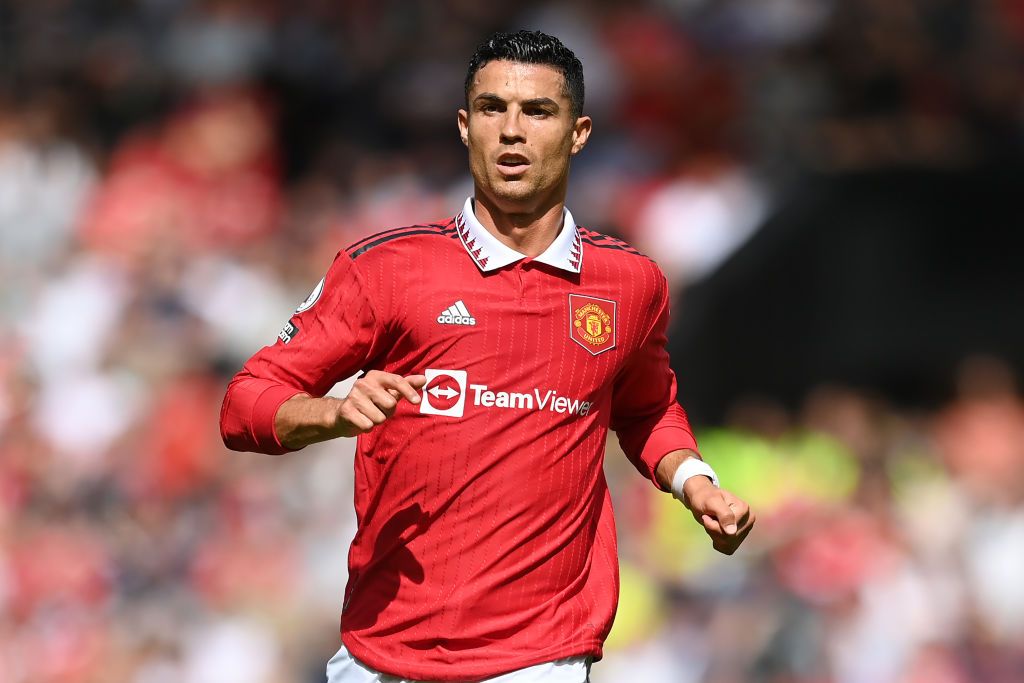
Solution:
(592, 322)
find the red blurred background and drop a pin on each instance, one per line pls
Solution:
(832, 187)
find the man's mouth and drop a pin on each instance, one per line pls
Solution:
(512, 163)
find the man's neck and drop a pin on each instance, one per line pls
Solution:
(529, 233)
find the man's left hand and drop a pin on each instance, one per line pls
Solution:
(726, 518)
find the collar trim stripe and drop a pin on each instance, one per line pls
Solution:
(488, 253)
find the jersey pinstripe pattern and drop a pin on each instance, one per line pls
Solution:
(486, 541)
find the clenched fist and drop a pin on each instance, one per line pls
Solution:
(725, 518)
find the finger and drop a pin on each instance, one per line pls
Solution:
(712, 525)
(717, 507)
(739, 508)
(351, 414)
(747, 525)
(730, 544)
(364, 406)
(411, 385)
(742, 512)
(382, 398)
(407, 387)
(726, 547)
(744, 532)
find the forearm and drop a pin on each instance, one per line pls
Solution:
(303, 420)
(667, 466)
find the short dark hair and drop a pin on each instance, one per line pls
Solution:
(532, 47)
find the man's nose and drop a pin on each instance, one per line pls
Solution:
(511, 127)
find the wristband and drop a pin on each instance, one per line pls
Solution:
(691, 467)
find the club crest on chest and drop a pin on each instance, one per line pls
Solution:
(593, 323)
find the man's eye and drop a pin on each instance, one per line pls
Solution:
(489, 108)
(537, 113)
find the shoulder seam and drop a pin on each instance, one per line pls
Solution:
(602, 241)
(390, 230)
(366, 244)
(601, 237)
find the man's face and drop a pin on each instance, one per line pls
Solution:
(520, 133)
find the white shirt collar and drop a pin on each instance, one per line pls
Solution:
(489, 253)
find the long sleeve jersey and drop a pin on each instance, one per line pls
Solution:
(485, 540)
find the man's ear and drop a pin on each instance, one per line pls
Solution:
(464, 126)
(581, 133)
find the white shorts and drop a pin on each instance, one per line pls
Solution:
(344, 668)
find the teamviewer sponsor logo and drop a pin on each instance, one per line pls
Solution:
(444, 393)
(535, 400)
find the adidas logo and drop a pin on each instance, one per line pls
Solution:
(456, 314)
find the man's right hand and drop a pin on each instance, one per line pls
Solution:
(303, 420)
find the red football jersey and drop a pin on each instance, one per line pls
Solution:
(486, 541)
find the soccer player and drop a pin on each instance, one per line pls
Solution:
(497, 349)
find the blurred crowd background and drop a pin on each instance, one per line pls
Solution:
(175, 175)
